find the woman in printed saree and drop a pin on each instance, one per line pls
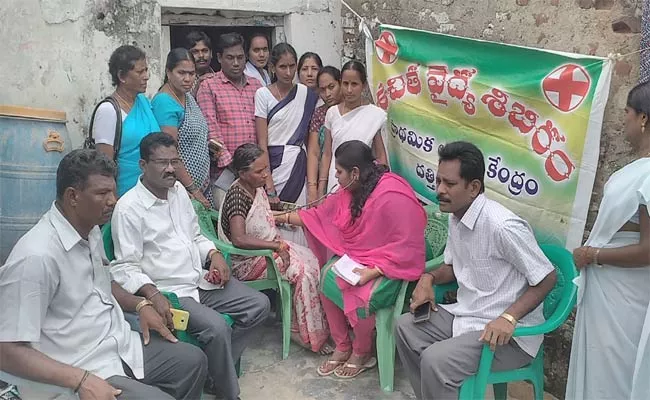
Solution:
(179, 115)
(128, 69)
(351, 120)
(246, 221)
(282, 114)
(376, 220)
(329, 87)
(610, 353)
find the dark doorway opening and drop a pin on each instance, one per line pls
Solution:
(178, 32)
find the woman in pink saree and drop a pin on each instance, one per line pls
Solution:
(246, 221)
(378, 222)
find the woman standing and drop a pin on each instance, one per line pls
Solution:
(282, 114)
(377, 221)
(257, 51)
(351, 120)
(179, 115)
(308, 67)
(129, 72)
(329, 87)
(246, 220)
(610, 353)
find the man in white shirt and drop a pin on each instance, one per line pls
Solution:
(503, 277)
(159, 247)
(60, 322)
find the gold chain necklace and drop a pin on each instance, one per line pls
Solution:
(123, 102)
(277, 90)
(171, 90)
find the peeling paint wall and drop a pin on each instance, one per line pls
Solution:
(55, 52)
(596, 27)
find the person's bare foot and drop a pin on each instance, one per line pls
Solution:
(355, 365)
(337, 359)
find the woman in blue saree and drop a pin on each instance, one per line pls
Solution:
(129, 72)
(283, 111)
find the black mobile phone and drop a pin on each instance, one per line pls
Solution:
(422, 313)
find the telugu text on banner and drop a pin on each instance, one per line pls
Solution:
(536, 115)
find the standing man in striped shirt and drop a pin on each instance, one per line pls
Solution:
(502, 276)
(227, 100)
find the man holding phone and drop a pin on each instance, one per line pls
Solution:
(62, 321)
(502, 276)
(159, 247)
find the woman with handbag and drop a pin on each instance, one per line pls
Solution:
(121, 120)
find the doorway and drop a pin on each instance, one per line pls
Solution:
(177, 34)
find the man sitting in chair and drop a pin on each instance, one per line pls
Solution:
(60, 323)
(503, 277)
(159, 247)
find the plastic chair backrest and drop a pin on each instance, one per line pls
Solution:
(207, 218)
(435, 233)
(107, 237)
(560, 297)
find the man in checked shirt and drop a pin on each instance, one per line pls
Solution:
(227, 100)
(502, 276)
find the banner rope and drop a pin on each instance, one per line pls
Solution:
(610, 56)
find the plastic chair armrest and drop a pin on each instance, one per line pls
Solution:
(226, 248)
(434, 263)
(440, 290)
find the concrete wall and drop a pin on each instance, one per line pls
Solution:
(596, 27)
(55, 52)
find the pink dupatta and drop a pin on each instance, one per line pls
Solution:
(388, 234)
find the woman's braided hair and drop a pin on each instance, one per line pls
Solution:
(357, 154)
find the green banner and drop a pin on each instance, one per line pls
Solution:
(536, 115)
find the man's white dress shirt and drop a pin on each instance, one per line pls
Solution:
(158, 242)
(55, 293)
(495, 258)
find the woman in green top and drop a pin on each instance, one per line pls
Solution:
(179, 115)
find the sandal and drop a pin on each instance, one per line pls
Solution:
(371, 363)
(335, 364)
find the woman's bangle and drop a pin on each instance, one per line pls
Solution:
(312, 184)
(81, 382)
(272, 194)
(192, 188)
(596, 253)
(322, 180)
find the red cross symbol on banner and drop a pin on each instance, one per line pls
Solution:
(566, 87)
(386, 48)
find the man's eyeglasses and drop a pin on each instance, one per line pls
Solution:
(164, 162)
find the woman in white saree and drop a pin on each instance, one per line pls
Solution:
(283, 111)
(351, 120)
(610, 353)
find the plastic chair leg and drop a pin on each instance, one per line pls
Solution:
(238, 368)
(385, 348)
(500, 391)
(285, 298)
(538, 388)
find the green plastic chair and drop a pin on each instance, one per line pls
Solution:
(435, 240)
(208, 219)
(182, 336)
(557, 307)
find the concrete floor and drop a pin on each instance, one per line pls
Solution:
(267, 377)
